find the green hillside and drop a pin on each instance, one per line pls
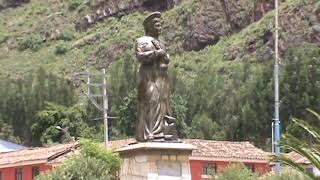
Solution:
(221, 66)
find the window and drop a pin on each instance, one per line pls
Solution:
(310, 170)
(209, 169)
(250, 167)
(19, 174)
(35, 172)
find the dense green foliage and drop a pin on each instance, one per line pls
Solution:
(237, 172)
(31, 41)
(94, 162)
(61, 48)
(287, 174)
(6, 132)
(21, 99)
(73, 118)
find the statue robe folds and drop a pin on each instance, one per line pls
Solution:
(154, 112)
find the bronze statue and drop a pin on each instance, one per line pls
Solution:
(155, 121)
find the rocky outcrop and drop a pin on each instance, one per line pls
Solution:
(214, 19)
(11, 3)
(115, 8)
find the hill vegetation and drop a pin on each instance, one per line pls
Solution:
(221, 65)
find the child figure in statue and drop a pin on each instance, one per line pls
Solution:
(155, 121)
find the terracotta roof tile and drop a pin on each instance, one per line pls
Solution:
(35, 154)
(227, 150)
(205, 149)
(214, 149)
(297, 158)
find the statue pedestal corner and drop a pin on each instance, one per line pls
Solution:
(156, 161)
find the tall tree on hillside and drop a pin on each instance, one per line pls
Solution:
(73, 118)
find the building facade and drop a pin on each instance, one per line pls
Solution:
(25, 164)
(213, 157)
(210, 158)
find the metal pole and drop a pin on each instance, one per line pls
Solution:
(276, 88)
(272, 136)
(105, 107)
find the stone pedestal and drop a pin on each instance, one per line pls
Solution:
(156, 161)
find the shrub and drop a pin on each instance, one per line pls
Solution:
(94, 162)
(66, 35)
(237, 172)
(286, 173)
(79, 167)
(31, 41)
(74, 4)
(61, 48)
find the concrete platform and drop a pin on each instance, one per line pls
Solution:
(156, 161)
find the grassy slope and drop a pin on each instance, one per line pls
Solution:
(40, 16)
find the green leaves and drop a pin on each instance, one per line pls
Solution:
(72, 119)
(306, 148)
(31, 41)
(94, 163)
(237, 172)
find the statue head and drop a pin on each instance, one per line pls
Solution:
(152, 25)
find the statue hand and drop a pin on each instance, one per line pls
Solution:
(166, 59)
(160, 52)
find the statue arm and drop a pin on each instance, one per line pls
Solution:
(145, 57)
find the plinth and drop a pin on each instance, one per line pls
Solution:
(156, 161)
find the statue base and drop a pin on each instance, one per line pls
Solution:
(156, 161)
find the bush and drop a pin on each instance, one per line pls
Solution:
(66, 35)
(31, 41)
(61, 48)
(94, 162)
(74, 4)
(98, 151)
(237, 172)
(287, 173)
(79, 167)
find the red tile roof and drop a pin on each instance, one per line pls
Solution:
(206, 150)
(209, 149)
(297, 158)
(35, 155)
(226, 150)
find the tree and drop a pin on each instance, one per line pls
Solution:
(205, 128)
(237, 172)
(307, 149)
(179, 108)
(22, 97)
(6, 133)
(72, 118)
(94, 162)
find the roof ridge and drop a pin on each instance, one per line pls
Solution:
(219, 141)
